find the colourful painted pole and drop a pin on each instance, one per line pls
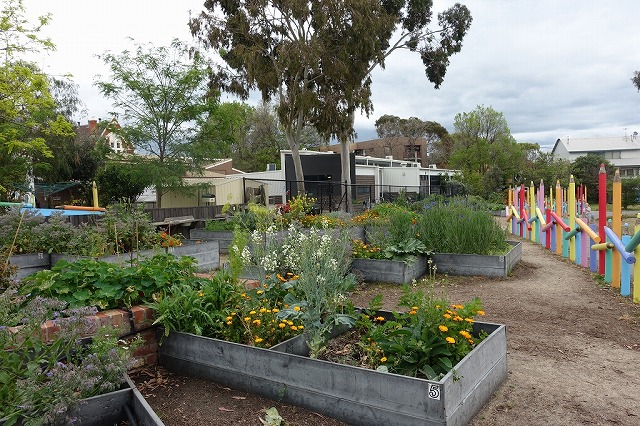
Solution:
(616, 228)
(602, 214)
(522, 211)
(636, 267)
(559, 214)
(593, 255)
(533, 234)
(550, 230)
(540, 208)
(571, 204)
(625, 273)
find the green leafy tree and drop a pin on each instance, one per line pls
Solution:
(165, 99)
(586, 171)
(28, 111)
(121, 181)
(226, 127)
(395, 130)
(366, 43)
(485, 151)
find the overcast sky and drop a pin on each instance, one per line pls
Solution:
(554, 68)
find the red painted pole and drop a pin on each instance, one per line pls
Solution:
(522, 210)
(602, 214)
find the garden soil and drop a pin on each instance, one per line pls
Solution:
(573, 354)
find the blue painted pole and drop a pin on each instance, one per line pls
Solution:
(625, 272)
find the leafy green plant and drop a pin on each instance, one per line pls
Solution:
(427, 340)
(89, 282)
(41, 382)
(197, 306)
(456, 227)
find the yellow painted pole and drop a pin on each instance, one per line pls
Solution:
(571, 210)
(559, 213)
(636, 267)
(616, 226)
(95, 195)
(532, 211)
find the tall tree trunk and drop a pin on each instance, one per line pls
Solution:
(297, 163)
(346, 173)
(158, 197)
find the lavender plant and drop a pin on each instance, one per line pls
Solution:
(42, 382)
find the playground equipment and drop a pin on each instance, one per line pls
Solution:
(64, 210)
(602, 247)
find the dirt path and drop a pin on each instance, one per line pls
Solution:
(573, 353)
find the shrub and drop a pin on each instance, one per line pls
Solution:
(42, 382)
(427, 340)
(455, 227)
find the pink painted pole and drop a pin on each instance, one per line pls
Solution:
(522, 232)
(602, 214)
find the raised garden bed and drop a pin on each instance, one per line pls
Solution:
(478, 265)
(351, 394)
(28, 264)
(206, 254)
(114, 407)
(390, 271)
(224, 238)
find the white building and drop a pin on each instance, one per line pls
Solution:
(621, 151)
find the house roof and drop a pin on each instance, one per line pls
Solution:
(615, 143)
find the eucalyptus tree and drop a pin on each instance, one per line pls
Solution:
(165, 98)
(395, 131)
(315, 57)
(388, 27)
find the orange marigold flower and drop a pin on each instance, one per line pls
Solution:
(457, 318)
(412, 312)
(481, 313)
(469, 320)
(447, 316)
(465, 334)
(296, 308)
(379, 318)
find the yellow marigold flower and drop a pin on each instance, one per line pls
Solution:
(469, 320)
(286, 306)
(300, 327)
(233, 313)
(380, 318)
(289, 322)
(457, 306)
(383, 359)
(290, 274)
(481, 313)
(265, 286)
(247, 319)
(258, 339)
(229, 318)
(471, 341)
(282, 325)
(243, 295)
(268, 311)
(256, 322)
(450, 340)
(412, 312)
(275, 310)
(295, 277)
(447, 316)
(229, 322)
(296, 308)
(457, 318)
(294, 328)
(200, 294)
(252, 313)
(443, 328)
(437, 306)
(259, 292)
(465, 334)
(414, 308)
(263, 310)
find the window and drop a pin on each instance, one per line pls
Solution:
(612, 155)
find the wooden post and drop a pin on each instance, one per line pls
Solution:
(571, 211)
(559, 213)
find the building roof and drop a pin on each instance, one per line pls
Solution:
(615, 143)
